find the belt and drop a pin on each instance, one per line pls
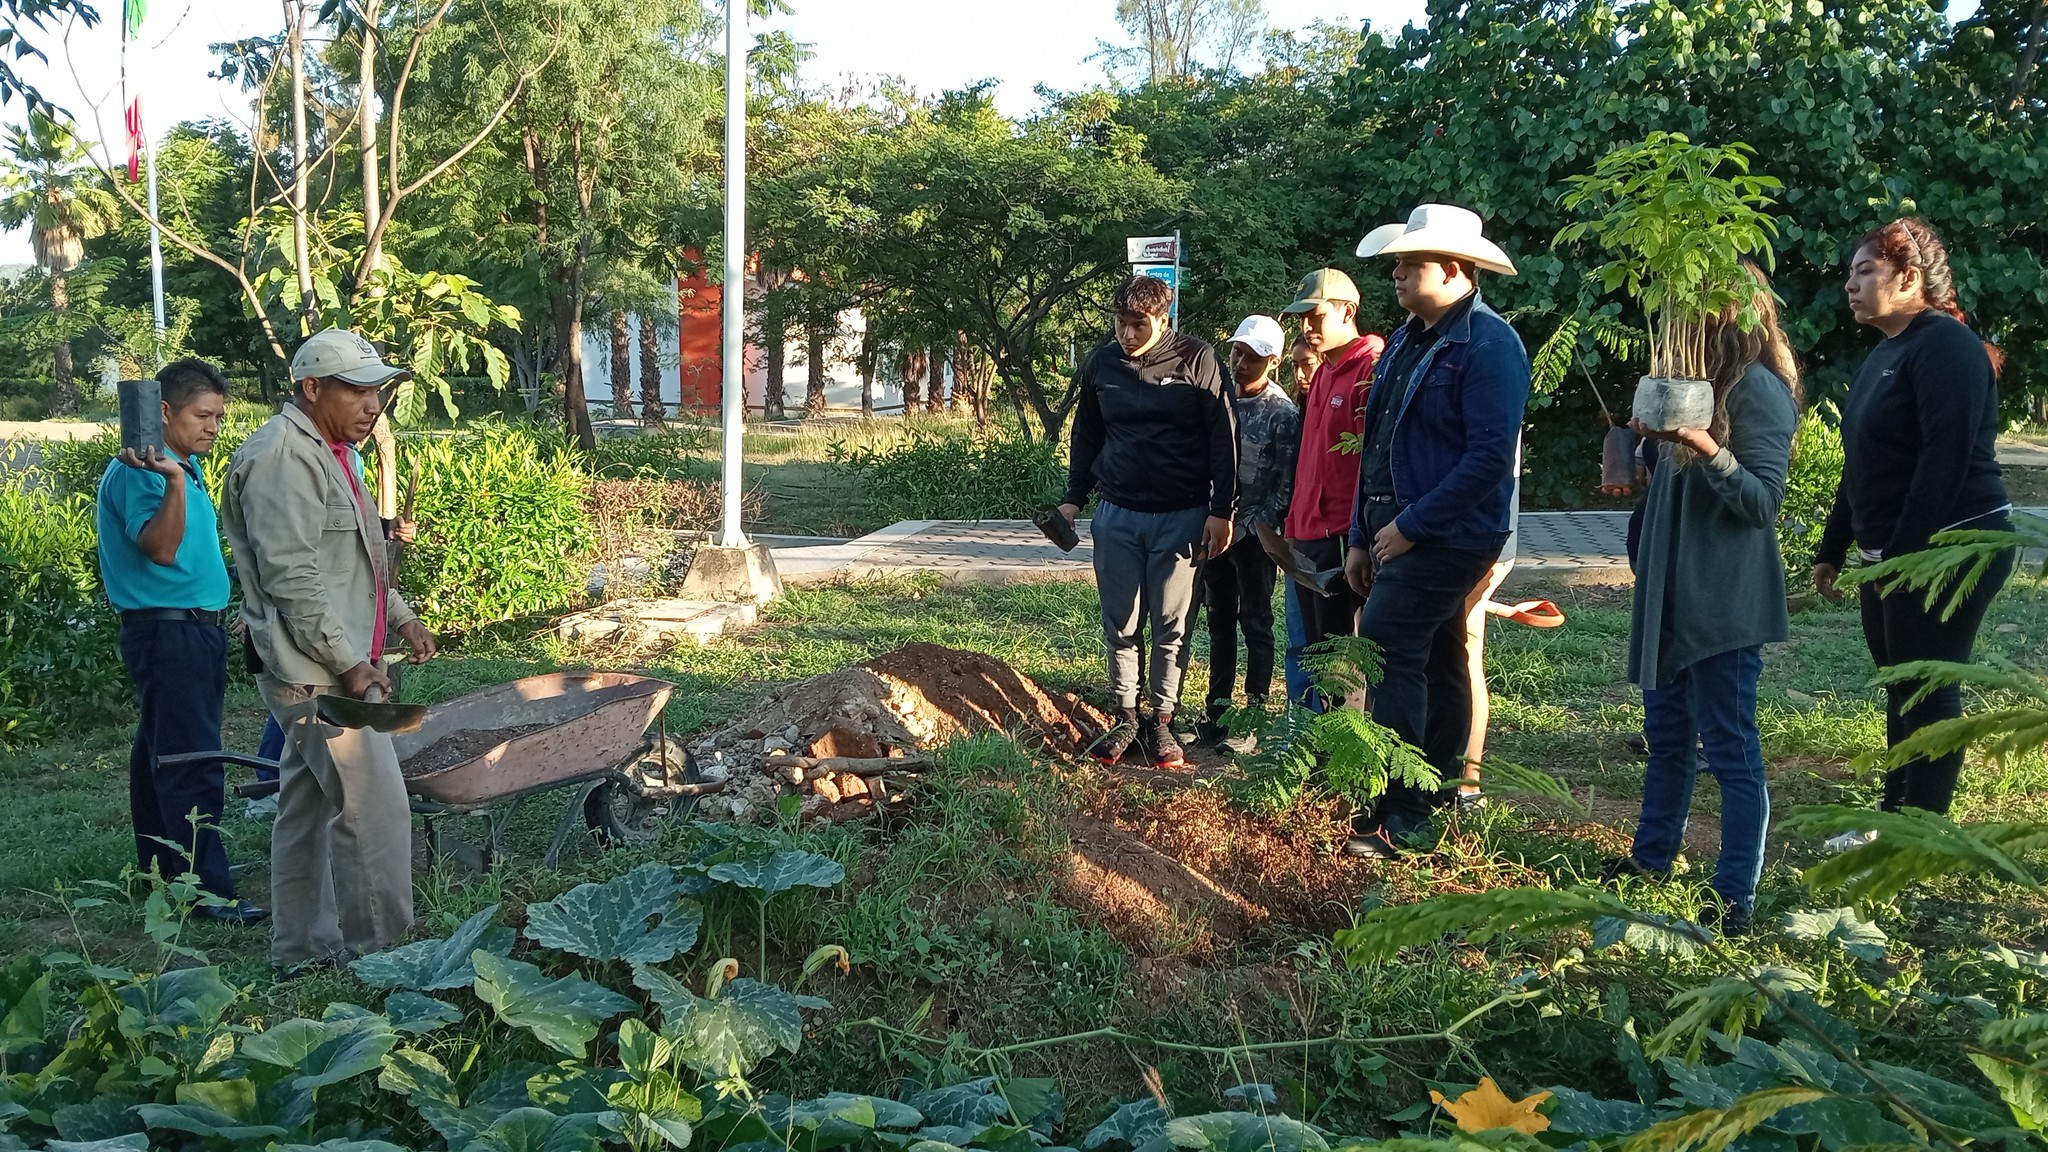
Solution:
(192, 615)
(1377, 499)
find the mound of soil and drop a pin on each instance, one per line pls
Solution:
(1156, 905)
(459, 747)
(920, 696)
(894, 705)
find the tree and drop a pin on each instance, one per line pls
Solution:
(47, 184)
(15, 45)
(610, 134)
(1004, 228)
(1174, 39)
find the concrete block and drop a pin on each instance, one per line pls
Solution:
(738, 575)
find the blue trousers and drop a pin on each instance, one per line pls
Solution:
(1299, 689)
(271, 749)
(180, 672)
(1710, 708)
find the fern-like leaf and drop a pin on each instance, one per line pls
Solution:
(1914, 846)
(1954, 564)
(1729, 1004)
(1713, 1129)
(1505, 777)
(1382, 933)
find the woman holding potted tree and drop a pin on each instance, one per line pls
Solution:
(1710, 593)
(1919, 439)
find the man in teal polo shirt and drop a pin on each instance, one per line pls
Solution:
(161, 562)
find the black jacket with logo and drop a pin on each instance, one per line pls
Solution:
(1156, 433)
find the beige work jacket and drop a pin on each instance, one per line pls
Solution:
(310, 558)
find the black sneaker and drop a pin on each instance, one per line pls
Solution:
(1726, 919)
(1109, 748)
(1211, 732)
(1371, 844)
(1627, 868)
(1166, 750)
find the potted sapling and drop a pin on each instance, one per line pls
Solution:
(1677, 221)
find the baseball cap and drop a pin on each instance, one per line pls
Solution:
(339, 354)
(1321, 286)
(1261, 334)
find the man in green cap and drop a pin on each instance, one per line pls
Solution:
(1326, 480)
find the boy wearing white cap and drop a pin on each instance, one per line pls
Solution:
(1237, 586)
(1436, 489)
(319, 609)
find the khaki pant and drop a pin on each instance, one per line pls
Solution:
(341, 850)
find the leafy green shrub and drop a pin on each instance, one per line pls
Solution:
(59, 640)
(672, 454)
(504, 531)
(1809, 490)
(947, 475)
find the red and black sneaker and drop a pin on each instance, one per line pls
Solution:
(1109, 748)
(1166, 751)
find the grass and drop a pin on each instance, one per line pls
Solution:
(960, 932)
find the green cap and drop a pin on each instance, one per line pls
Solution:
(1320, 286)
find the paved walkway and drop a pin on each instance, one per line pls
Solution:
(1580, 547)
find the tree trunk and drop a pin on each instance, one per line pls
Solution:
(366, 136)
(568, 310)
(910, 370)
(295, 34)
(867, 374)
(935, 392)
(622, 367)
(972, 374)
(650, 361)
(774, 335)
(814, 378)
(64, 390)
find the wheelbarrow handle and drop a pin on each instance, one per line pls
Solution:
(178, 759)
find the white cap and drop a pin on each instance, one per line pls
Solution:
(339, 354)
(1440, 230)
(1261, 334)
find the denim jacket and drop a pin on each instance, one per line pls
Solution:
(1456, 427)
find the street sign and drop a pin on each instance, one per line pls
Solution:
(1170, 273)
(1152, 249)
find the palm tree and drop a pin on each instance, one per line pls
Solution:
(48, 183)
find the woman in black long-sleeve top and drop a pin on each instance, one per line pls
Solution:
(1919, 442)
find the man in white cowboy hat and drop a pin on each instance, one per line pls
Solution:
(319, 609)
(1237, 587)
(1436, 483)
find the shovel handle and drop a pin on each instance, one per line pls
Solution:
(373, 695)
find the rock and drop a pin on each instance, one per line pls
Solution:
(1798, 696)
(850, 786)
(2008, 629)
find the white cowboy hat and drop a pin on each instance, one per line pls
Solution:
(1442, 230)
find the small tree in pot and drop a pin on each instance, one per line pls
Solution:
(1677, 220)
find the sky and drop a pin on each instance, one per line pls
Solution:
(934, 44)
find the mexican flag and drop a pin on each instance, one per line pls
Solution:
(135, 10)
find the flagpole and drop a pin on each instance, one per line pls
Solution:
(733, 298)
(132, 15)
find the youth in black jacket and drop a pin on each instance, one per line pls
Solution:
(1155, 433)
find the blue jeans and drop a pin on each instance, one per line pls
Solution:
(1707, 712)
(272, 748)
(1299, 689)
(180, 672)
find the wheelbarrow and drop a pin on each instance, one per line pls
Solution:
(579, 731)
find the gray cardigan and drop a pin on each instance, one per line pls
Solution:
(1709, 577)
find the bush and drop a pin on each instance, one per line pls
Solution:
(1809, 489)
(671, 454)
(504, 531)
(950, 476)
(59, 639)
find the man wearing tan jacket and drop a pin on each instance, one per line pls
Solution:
(317, 601)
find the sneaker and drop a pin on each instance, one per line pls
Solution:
(1726, 919)
(1211, 732)
(1468, 802)
(1372, 844)
(1166, 750)
(1109, 748)
(1627, 868)
(1240, 746)
(1848, 840)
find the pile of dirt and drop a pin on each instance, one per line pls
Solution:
(893, 706)
(460, 747)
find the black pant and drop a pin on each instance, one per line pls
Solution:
(1899, 629)
(180, 673)
(1325, 616)
(1416, 617)
(1238, 588)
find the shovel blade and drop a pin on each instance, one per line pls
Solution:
(349, 712)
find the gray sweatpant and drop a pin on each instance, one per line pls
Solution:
(1145, 566)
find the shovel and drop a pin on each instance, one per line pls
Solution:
(369, 712)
